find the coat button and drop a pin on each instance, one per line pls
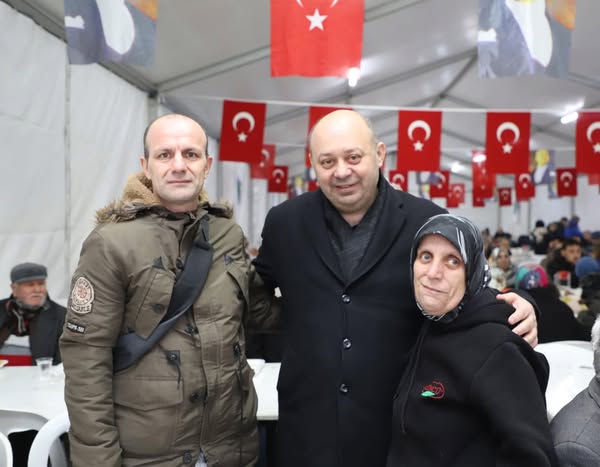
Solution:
(187, 457)
(346, 343)
(344, 388)
(172, 356)
(194, 397)
(346, 298)
(158, 308)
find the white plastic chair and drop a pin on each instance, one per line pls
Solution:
(47, 440)
(6, 456)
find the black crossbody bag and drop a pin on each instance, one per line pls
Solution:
(131, 347)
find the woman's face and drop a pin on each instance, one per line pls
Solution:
(503, 260)
(439, 275)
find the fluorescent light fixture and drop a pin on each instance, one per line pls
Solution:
(353, 75)
(568, 118)
(479, 158)
(456, 167)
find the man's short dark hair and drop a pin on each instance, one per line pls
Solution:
(147, 153)
(571, 241)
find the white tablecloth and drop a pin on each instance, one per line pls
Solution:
(571, 369)
(26, 402)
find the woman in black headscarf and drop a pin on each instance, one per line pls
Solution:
(473, 392)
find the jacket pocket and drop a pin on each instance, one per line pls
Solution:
(156, 289)
(147, 412)
(240, 277)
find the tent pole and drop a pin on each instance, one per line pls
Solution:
(67, 159)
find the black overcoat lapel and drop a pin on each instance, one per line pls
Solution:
(391, 220)
(314, 220)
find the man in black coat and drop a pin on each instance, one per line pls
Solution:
(340, 257)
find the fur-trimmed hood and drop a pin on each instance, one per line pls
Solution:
(138, 198)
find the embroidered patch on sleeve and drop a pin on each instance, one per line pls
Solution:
(82, 296)
(75, 328)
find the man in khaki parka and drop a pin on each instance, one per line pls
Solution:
(189, 400)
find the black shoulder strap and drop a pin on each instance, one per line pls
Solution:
(131, 347)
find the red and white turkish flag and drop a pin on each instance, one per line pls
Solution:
(278, 179)
(484, 181)
(504, 196)
(478, 201)
(312, 185)
(314, 115)
(267, 160)
(507, 142)
(399, 179)
(524, 187)
(419, 137)
(587, 143)
(242, 130)
(316, 37)
(456, 195)
(566, 182)
(438, 188)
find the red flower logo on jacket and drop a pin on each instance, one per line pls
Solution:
(435, 390)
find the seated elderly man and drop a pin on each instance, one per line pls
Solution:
(576, 427)
(30, 323)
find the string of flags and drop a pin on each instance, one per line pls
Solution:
(506, 152)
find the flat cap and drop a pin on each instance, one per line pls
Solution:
(27, 272)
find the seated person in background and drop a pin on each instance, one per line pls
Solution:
(503, 271)
(565, 260)
(540, 246)
(30, 323)
(588, 271)
(572, 229)
(576, 427)
(473, 391)
(557, 322)
(30, 326)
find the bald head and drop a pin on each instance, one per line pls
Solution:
(344, 117)
(168, 117)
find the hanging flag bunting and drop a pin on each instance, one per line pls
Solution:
(507, 142)
(438, 187)
(456, 195)
(594, 179)
(242, 129)
(314, 115)
(518, 37)
(566, 182)
(110, 31)
(478, 201)
(524, 187)
(484, 181)
(262, 170)
(312, 185)
(504, 196)
(587, 143)
(400, 179)
(278, 179)
(316, 37)
(419, 136)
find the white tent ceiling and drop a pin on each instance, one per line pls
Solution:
(415, 53)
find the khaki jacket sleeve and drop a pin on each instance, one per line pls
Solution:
(265, 307)
(93, 322)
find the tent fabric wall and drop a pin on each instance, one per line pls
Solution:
(32, 109)
(49, 187)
